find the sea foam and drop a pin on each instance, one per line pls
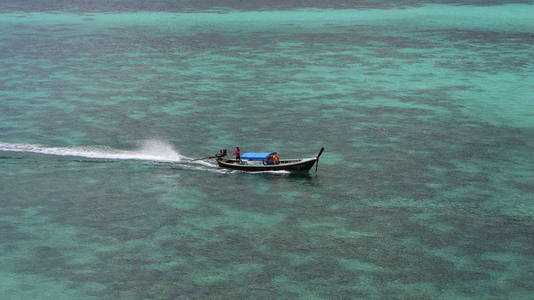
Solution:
(153, 150)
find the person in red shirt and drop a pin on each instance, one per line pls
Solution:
(237, 153)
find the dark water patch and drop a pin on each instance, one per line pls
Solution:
(62, 29)
(51, 261)
(289, 238)
(10, 234)
(487, 51)
(526, 187)
(522, 282)
(491, 265)
(394, 255)
(412, 266)
(489, 234)
(323, 269)
(11, 211)
(483, 37)
(10, 157)
(83, 7)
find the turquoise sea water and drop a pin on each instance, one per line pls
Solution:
(424, 191)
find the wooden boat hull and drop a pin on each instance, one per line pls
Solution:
(297, 165)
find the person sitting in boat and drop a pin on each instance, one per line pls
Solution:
(273, 159)
(276, 158)
(237, 153)
(269, 160)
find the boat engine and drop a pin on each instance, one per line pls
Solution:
(221, 153)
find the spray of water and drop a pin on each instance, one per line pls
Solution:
(153, 150)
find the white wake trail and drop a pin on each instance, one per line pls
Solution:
(153, 150)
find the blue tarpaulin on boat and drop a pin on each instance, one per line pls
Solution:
(256, 155)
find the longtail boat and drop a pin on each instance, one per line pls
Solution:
(263, 161)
